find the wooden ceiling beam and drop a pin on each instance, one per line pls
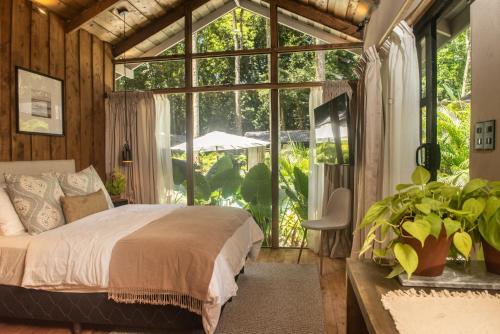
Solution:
(154, 27)
(88, 14)
(320, 16)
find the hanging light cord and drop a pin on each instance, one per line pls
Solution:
(124, 15)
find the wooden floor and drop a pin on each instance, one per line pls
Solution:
(332, 285)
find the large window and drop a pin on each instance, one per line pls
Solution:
(444, 49)
(241, 104)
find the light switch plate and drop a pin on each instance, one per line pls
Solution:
(489, 135)
(479, 136)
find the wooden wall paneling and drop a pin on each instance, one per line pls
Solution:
(57, 69)
(86, 137)
(20, 56)
(5, 80)
(40, 145)
(72, 90)
(109, 77)
(98, 116)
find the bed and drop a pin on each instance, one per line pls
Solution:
(64, 274)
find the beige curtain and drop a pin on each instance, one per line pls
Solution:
(142, 174)
(369, 144)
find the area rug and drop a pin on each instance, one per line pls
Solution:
(275, 298)
(416, 312)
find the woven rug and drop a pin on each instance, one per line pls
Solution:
(274, 298)
(416, 312)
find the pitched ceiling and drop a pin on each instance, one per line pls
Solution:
(101, 19)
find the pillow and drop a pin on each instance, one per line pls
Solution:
(10, 224)
(84, 182)
(36, 200)
(77, 207)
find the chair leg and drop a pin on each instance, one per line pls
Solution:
(321, 236)
(302, 245)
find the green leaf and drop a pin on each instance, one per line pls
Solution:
(490, 230)
(436, 225)
(475, 207)
(404, 186)
(420, 176)
(424, 208)
(474, 185)
(419, 229)
(451, 226)
(398, 269)
(379, 252)
(407, 257)
(463, 243)
(433, 203)
(367, 244)
(256, 187)
(492, 206)
(373, 213)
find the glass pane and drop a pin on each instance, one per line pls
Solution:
(454, 109)
(231, 70)
(232, 161)
(232, 29)
(423, 73)
(317, 66)
(178, 136)
(150, 75)
(423, 124)
(294, 164)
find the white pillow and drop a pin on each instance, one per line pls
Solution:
(10, 224)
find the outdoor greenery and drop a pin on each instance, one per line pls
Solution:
(222, 178)
(117, 183)
(454, 86)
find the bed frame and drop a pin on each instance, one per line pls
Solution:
(17, 303)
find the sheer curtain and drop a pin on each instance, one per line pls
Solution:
(165, 181)
(401, 108)
(316, 172)
(369, 143)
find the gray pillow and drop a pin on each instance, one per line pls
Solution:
(36, 200)
(82, 183)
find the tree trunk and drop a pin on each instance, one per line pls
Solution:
(237, 68)
(465, 80)
(320, 63)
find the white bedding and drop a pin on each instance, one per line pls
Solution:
(77, 255)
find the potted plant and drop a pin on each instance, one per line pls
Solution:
(488, 202)
(116, 184)
(418, 224)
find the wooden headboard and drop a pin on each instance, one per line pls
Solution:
(36, 167)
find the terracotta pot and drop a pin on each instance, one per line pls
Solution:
(116, 197)
(491, 258)
(432, 257)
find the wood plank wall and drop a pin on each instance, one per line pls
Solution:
(34, 40)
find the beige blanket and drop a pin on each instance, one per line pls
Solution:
(170, 261)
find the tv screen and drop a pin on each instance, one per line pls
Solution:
(332, 131)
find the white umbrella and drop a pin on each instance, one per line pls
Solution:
(221, 141)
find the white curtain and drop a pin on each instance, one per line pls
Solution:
(401, 108)
(165, 181)
(369, 144)
(316, 172)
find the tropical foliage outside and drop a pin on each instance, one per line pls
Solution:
(224, 178)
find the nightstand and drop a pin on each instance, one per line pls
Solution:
(120, 202)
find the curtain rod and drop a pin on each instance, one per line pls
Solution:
(394, 23)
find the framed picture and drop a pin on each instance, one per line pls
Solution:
(40, 103)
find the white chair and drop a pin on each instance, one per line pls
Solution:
(336, 218)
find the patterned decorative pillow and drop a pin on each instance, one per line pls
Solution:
(37, 201)
(84, 182)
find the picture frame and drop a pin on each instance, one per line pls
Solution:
(39, 103)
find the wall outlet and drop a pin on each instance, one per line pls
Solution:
(489, 135)
(479, 136)
(485, 135)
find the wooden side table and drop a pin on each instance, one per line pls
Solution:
(120, 202)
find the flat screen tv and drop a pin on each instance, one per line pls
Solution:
(333, 133)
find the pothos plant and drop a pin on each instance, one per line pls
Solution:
(421, 209)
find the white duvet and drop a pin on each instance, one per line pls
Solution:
(76, 256)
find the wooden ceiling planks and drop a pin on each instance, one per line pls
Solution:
(108, 25)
